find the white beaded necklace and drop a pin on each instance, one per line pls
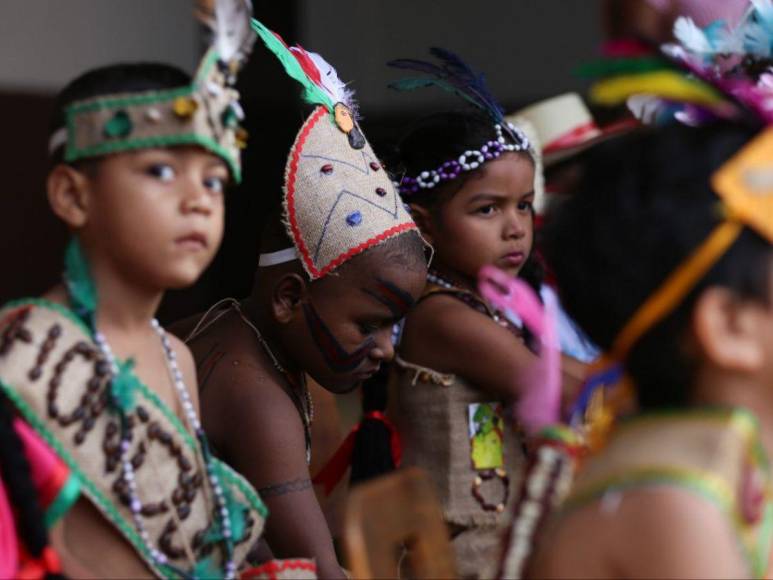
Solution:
(135, 504)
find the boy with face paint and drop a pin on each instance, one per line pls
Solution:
(338, 269)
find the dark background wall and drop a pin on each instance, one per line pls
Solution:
(527, 48)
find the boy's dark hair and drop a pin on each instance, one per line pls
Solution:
(644, 204)
(111, 80)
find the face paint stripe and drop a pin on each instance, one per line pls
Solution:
(333, 353)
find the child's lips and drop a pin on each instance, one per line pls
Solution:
(513, 259)
(193, 241)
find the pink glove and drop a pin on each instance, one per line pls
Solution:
(539, 400)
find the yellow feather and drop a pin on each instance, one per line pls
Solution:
(666, 84)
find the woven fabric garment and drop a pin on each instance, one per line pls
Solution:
(57, 378)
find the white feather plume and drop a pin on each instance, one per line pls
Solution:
(691, 36)
(233, 38)
(646, 108)
(331, 82)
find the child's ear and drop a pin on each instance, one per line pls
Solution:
(728, 330)
(287, 297)
(423, 219)
(68, 194)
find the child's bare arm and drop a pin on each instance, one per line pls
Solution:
(450, 337)
(262, 435)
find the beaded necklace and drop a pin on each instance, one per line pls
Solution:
(83, 299)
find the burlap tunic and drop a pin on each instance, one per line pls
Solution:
(431, 413)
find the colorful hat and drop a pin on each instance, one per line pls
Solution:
(338, 199)
(566, 127)
(205, 113)
(455, 76)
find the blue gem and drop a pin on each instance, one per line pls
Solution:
(354, 218)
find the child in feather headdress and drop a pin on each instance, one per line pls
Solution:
(341, 263)
(664, 256)
(141, 155)
(470, 179)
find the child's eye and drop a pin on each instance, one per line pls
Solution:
(486, 209)
(162, 171)
(366, 329)
(216, 184)
(525, 205)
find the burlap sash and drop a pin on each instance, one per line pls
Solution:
(56, 377)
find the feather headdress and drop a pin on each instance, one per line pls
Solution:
(453, 75)
(320, 81)
(205, 113)
(338, 201)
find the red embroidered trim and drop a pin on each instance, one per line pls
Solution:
(272, 567)
(292, 171)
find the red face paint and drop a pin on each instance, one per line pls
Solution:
(334, 354)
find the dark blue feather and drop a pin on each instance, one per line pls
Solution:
(453, 75)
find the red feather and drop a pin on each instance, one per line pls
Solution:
(307, 65)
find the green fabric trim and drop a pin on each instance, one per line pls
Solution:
(44, 303)
(249, 492)
(764, 542)
(65, 499)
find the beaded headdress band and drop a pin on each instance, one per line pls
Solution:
(338, 200)
(455, 76)
(205, 113)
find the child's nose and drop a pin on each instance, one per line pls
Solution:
(196, 199)
(384, 350)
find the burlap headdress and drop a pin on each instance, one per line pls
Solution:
(338, 200)
(204, 113)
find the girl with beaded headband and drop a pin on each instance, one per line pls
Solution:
(341, 262)
(136, 148)
(470, 183)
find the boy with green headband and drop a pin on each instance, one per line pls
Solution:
(142, 155)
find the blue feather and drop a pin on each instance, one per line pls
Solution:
(453, 75)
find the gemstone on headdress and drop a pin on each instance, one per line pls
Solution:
(381, 192)
(354, 219)
(241, 137)
(184, 107)
(327, 168)
(153, 115)
(120, 125)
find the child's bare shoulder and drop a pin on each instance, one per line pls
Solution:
(649, 532)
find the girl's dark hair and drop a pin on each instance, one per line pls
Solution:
(644, 204)
(438, 138)
(15, 471)
(372, 455)
(115, 79)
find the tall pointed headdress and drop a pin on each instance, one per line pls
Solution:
(338, 199)
(205, 113)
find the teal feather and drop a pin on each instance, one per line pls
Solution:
(312, 93)
(83, 292)
(124, 385)
(411, 84)
(207, 568)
